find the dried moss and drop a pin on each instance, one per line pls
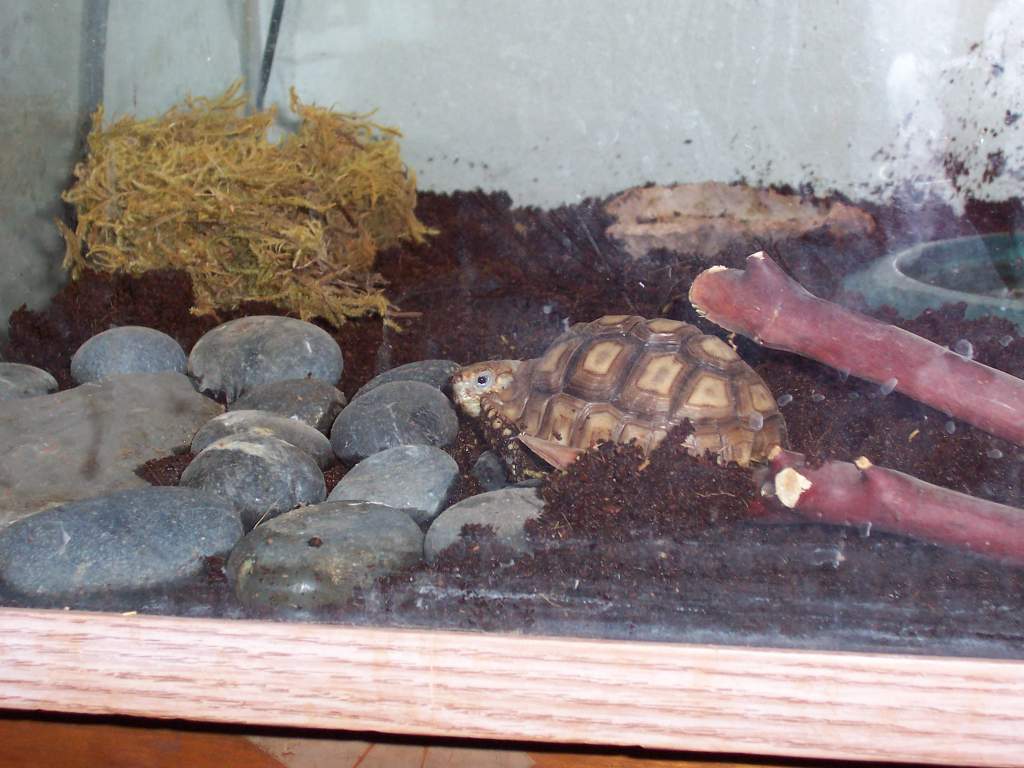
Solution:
(297, 223)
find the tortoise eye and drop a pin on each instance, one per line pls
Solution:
(483, 379)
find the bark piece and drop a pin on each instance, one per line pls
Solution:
(707, 218)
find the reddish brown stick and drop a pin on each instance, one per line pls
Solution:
(763, 303)
(862, 494)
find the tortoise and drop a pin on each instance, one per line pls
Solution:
(626, 379)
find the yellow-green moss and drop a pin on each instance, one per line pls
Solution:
(298, 223)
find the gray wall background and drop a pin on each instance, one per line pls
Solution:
(40, 50)
(551, 100)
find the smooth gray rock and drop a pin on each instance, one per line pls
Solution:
(128, 349)
(263, 424)
(415, 478)
(489, 471)
(89, 440)
(436, 373)
(237, 356)
(506, 511)
(18, 381)
(396, 413)
(133, 540)
(317, 556)
(313, 401)
(262, 477)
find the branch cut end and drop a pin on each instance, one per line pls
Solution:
(790, 485)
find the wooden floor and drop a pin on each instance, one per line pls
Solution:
(94, 742)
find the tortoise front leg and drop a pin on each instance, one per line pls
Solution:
(503, 438)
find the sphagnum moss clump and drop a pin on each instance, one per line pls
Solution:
(298, 223)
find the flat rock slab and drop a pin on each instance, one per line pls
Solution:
(262, 476)
(436, 373)
(127, 349)
(505, 511)
(265, 424)
(317, 557)
(89, 440)
(415, 478)
(312, 401)
(242, 354)
(19, 381)
(130, 541)
(393, 414)
(707, 218)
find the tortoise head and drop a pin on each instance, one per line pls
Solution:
(492, 377)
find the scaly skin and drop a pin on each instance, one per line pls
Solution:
(489, 391)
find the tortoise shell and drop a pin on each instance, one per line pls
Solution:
(628, 379)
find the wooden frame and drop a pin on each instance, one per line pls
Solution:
(688, 697)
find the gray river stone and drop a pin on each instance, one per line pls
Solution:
(313, 401)
(262, 477)
(505, 511)
(128, 349)
(88, 441)
(317, 556)
(489, 471)
(436, 373)
(18, 381)
(415, 478)
(237, 356)
(140, 539)
(396, 413)
(263, 424)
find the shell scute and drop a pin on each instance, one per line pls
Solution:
(560, 417)
(661, 330)
(601, 423)
(618, 322)
(599, 368)
(549, 372)
(706, 395)
(712, 352)
(653, 382)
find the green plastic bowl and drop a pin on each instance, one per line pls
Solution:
(984, 272)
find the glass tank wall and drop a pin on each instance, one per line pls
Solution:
(694, 321)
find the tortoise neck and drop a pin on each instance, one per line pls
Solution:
(513, 399)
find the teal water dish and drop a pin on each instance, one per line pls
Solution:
(986, 272)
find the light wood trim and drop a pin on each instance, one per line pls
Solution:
(707, 698)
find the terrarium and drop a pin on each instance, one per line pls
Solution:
(631, 374)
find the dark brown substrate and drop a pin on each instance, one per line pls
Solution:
(666, 552)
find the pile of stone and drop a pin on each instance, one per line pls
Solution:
(256, 401)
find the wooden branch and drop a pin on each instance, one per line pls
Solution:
(862, 494)
(766, 305)
(672, 696)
